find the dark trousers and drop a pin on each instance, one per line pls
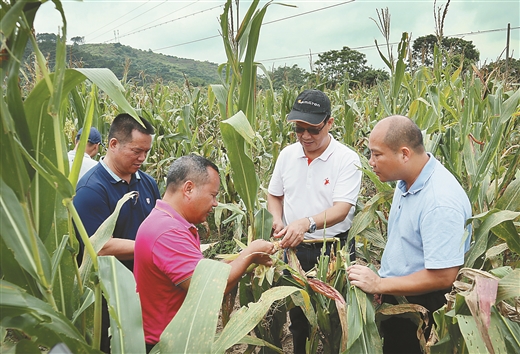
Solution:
(308, 255)
(149, 347)
(105, 324)
(400, 334)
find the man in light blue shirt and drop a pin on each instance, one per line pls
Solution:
(427, 233)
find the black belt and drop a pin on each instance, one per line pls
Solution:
(341, 236)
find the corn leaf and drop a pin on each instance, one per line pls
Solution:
(118, 286)
(263, 224)
(39, 320)
(510, 200)
(243, 168)
(187, 332)
(246, 318)
(20, 238)
(509, 286)
(479, 300)
(469, 330)
(489, 219)
(510, 331)
(108, 82)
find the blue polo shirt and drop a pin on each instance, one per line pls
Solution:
(98, 192)
(426, 225)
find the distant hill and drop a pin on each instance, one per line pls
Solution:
(142, 65)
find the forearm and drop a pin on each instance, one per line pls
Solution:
(122, 249)
(421, 282)
(258, 252)
(331, 216)
(238, 268)
(275, 206)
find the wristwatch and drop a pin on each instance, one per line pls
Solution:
(312, 225)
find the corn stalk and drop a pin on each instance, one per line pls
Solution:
(39, 248)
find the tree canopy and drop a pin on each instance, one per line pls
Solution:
(457, 49)
(338, 65)
(289, 76)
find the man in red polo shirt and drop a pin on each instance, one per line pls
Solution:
(167, 246)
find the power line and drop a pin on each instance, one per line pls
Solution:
(168, 14)
(133, 18)
(128, 13)
(309, 12)
(394, 43)
(370, 46)
(176, 19)
(265, 23)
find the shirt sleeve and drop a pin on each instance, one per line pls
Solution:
(276, 183)
(349, 181)
(442, 233)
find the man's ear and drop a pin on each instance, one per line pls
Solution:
(405, 154)
(187, 188)
(112, 143)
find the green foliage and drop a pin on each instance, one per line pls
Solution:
(335, 66)
(498, 70)
(129, 63)
(458, 51)
(474, 321)
(194, 327)
(281, 76)
(469, 120)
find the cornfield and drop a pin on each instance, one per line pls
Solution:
(470, 123)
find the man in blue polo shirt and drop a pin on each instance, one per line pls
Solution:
(427, 233)
(98, 192)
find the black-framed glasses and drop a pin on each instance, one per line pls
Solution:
(312, 131)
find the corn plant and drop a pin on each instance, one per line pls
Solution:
(481, 314)
(40, 276)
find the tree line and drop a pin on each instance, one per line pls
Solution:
(331, 69)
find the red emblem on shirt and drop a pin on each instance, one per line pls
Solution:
(326, 181)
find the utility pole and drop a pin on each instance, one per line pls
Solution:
(507, 49)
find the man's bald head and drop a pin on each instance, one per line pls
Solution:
(400, 131)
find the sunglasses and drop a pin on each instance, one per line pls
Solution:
(312, 131)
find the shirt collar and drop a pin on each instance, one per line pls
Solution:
(167, 208)
(421, 180)
(325, 154)
(111, 173)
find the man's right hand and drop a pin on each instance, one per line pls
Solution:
(260, 250)
(293, 234)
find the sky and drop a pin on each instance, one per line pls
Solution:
(289, 35)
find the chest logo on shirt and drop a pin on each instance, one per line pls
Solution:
(326, 181)
(147, 200)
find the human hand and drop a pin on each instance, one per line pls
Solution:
(364, 278)
(261, 250)
(293, 234)
(277, 227)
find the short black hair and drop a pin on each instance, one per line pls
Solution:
(123, 125)
(190, 167)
